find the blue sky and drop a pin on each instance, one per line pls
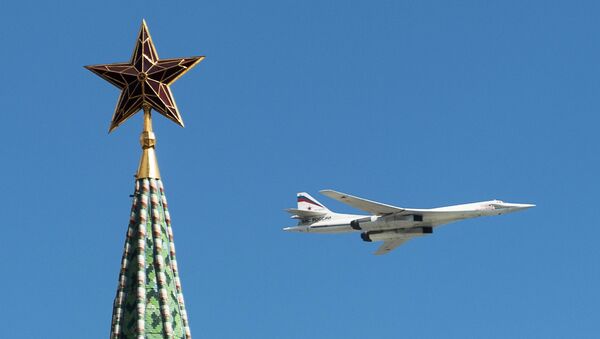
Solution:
(412, 103)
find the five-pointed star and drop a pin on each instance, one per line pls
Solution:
(145, 80)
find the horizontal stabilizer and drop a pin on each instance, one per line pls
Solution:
(304, 214)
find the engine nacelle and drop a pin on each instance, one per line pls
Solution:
(397, 233)
(402, 218)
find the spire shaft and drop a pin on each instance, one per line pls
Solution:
(148, 168)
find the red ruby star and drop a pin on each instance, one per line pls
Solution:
(145, 80)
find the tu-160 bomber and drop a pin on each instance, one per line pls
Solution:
(390, 224)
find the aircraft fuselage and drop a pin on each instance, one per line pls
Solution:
(390, 224)
(342, 223)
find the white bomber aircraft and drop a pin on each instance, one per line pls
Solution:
(390, 224)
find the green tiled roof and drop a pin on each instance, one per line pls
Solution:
(149, 301)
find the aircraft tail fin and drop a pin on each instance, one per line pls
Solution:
(308, 208)
(308, 203)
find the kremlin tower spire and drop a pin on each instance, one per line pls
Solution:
(149, 300)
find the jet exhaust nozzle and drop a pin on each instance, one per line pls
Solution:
(355, 224)
(365, 237)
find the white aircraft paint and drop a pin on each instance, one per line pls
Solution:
(390, 224)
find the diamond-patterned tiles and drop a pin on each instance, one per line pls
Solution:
(149, 304)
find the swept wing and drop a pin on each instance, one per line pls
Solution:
(370, 206)
(377, 208)
(390, 245)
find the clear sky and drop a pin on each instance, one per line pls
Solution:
(412, 103)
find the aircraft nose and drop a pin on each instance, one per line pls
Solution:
(292, 229)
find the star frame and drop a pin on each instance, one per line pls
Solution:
(145, 80)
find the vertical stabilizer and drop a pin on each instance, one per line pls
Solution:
(308, 203)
